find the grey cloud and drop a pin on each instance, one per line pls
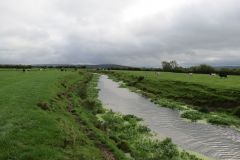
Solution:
(94, 32)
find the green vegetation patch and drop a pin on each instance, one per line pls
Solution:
(192, 115)
(218, 120)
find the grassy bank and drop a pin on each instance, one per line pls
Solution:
(55, 115)
(199, 97)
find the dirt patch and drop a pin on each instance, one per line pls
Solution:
(106, 153)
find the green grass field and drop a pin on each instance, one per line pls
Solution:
(54, 115)
(200, 92)
(27, 131)
(232, 82)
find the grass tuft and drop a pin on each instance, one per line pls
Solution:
(192, 115)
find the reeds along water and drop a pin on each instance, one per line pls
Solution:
(213, 141)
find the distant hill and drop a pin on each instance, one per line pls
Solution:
(106, 66)
(228, 67)
(101, 66)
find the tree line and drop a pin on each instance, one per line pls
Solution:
(172, 66)
(167, 66)
(18, 66)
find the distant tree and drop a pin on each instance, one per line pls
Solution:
(169, 66)
(15, 66)
(173, 64)
(180, 69)
(225, 71)
(166, 66)
(203, 68)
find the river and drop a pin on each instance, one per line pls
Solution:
(213, 141)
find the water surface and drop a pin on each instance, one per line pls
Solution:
(210, 140)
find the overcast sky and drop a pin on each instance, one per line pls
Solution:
(127, 32)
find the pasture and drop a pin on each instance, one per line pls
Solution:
(55, 114)
(27, 131)
(232, 82)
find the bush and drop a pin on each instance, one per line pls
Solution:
(218, 120)
(167, 150)
(192, 115)
(128, 117)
